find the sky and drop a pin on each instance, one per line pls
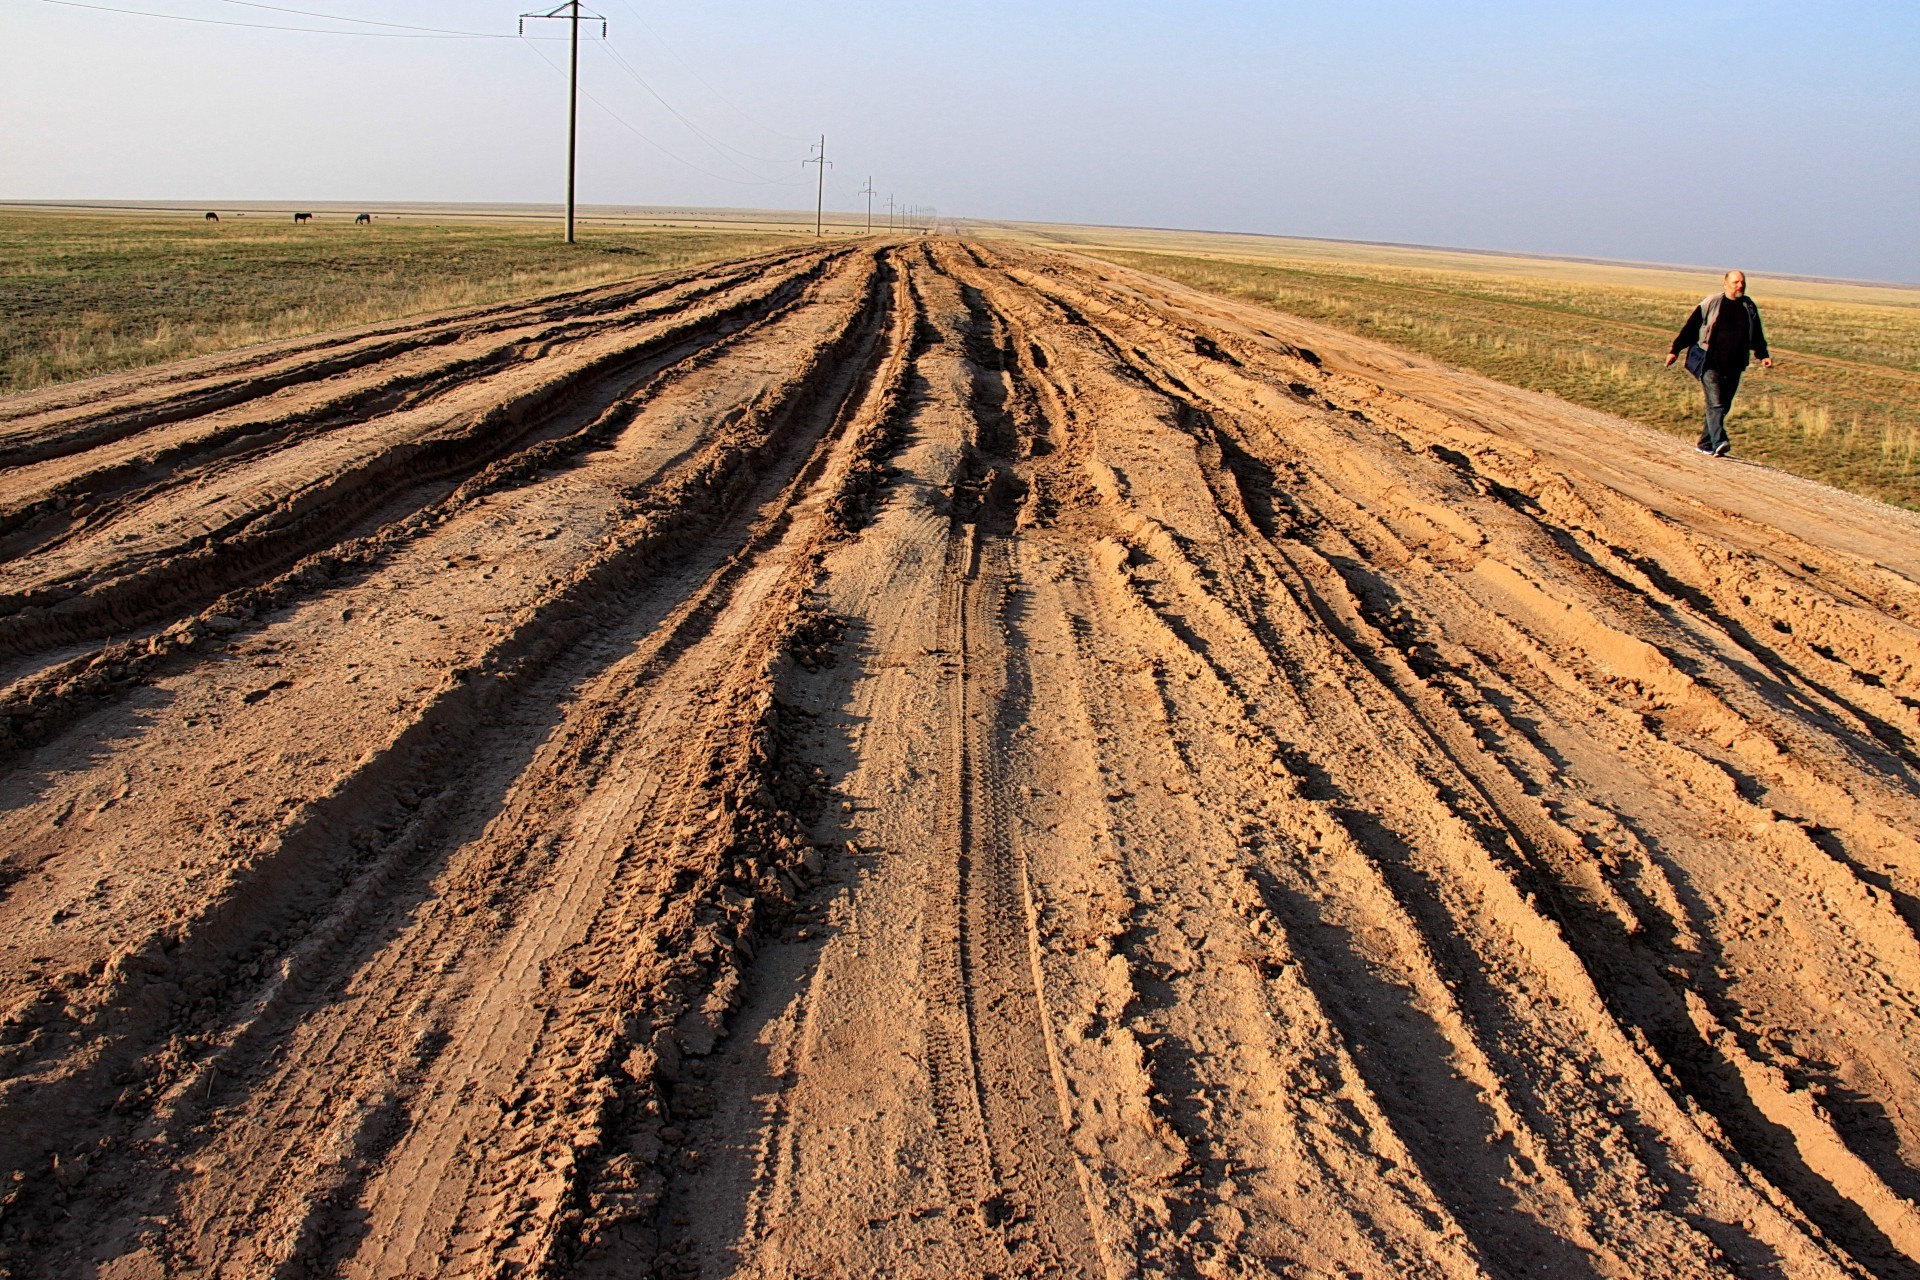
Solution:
(1770, 136)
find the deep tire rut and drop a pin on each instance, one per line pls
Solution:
(930, 758)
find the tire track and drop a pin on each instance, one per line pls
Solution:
(96, 482)
(720, 474)
(936, 758)
(1542, 841)
(72, 417)
(208, 545)
(41, 703)
(1000, 1120)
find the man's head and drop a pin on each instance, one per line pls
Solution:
(1735, 283)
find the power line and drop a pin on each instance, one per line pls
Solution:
(695, 73)
(629, 126)
(720, 148)
(403, 31)
(264, 26)
(369, 22)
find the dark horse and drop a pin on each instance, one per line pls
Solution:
(364, 220)
(303, 217)
(212, 217)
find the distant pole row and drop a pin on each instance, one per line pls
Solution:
(901, 217)
(570, 10)
(921, 217)
(916, 217)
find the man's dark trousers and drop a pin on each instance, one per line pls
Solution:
(1720, 385)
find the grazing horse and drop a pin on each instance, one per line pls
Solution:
(302, 217)
(364, 220)
(212, 216)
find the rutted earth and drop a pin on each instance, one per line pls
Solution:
(927, 759)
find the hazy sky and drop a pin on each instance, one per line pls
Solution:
(1774, 136)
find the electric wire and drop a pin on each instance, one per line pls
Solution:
(369, 22)
(720, 147)
(661, 40)
(265, 26)
(406, 32)
(624, 123)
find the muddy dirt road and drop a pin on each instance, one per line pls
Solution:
(924, 759)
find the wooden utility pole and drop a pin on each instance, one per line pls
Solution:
(573, 110)
(868, 192)
(571, 12)
(820, 194)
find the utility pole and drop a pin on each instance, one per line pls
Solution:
(889, 212)
(868, 192)
(820, 195)
(571, 12)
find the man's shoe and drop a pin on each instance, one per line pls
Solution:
(1700, 448)
(1722, 449)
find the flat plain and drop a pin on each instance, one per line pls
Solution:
(84, 293)
(937, 757)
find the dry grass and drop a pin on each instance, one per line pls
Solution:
(82, 295)
(1842, 404)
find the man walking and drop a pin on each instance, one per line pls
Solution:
(1727, 326)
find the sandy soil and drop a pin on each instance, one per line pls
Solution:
(926, 760)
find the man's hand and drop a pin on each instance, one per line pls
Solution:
(1766, 362)
(1671, 357)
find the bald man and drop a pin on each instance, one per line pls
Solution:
(1727, 325)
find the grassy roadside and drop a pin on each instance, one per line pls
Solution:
(1842, 404)
(82, 295)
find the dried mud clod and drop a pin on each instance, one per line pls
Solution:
(738, 878)
(752, 864)
(815, 640)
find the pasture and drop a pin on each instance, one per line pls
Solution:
(84, 294)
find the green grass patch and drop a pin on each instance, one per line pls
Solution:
(1841, 405)
(83, 295)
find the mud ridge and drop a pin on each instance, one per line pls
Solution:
(667, 517)
(934, 757)
(123, 596)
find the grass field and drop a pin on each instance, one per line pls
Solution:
(1842, 403)
(88, 294)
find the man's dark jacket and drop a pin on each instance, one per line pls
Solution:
(1727, 332)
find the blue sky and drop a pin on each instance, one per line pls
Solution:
(1780, 137)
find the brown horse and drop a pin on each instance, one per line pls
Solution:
(302, 217)
(212, 216)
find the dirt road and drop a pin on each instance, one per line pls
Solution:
(926, 760)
